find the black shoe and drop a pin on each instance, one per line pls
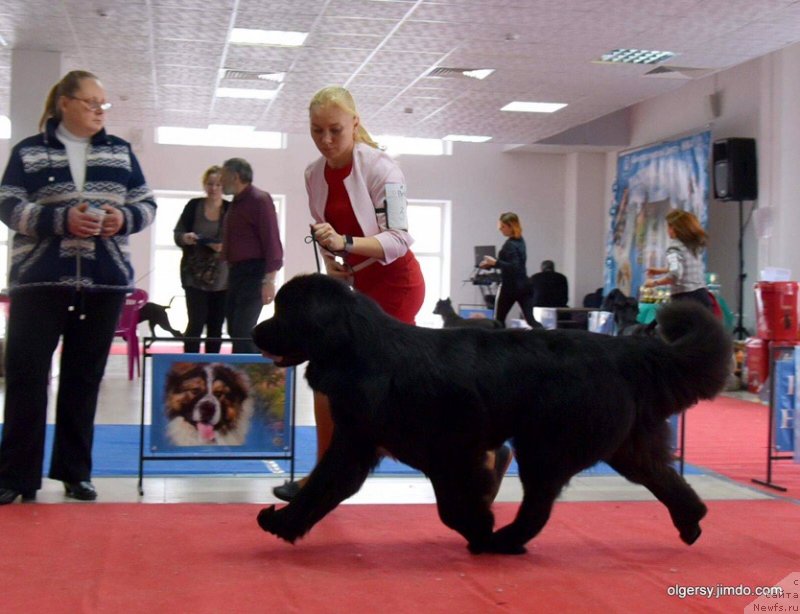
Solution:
(9, 495)
(287, 491)
(83, 491)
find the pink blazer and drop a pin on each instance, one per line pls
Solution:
(373, 169)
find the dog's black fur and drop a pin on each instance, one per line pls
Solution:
(156, 315)
(437, 400)
(444, 308)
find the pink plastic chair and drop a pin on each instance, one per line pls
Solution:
(126, 328)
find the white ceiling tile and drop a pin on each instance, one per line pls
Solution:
(160, 59)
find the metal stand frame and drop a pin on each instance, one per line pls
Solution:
(289, 456)
(771, 455)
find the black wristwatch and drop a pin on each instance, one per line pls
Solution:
(348, 242)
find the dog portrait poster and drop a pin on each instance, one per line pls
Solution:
(209, 403)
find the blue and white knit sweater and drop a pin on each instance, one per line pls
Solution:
(37, 192)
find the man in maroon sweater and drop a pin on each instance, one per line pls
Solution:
(252, 246)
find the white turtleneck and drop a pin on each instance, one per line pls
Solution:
(77, 149)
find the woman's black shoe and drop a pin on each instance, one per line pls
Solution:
(83, 491)
(9, 495)
(287, 491)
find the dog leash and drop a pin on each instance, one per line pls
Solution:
(362, 265)
(313, 240)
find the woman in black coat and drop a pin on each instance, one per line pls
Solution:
(512, 261)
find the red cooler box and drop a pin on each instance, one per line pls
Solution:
(777, 310)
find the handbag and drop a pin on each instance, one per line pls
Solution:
(202, 264)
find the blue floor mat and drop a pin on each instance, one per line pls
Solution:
(116, 454)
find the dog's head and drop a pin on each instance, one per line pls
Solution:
(314, 317)
(207, 396)
(443, 306)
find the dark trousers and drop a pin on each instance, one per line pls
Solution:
(243, 303)
(38, 318)
(205, 310)
(505, 301)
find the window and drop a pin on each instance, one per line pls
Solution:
(429, 224)
(165, 282)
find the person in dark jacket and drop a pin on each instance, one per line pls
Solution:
(512, 262)
(549, 288)
(204, 273)
(72, 194)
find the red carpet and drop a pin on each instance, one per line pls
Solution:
(592, 557)
(729, 436)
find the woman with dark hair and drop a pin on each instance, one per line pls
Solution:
(512, 262)
(685, 270)
(204, 273)
(72, 194)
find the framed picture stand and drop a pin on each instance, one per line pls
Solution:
(215, 407)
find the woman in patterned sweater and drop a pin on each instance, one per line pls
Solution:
(72, 194)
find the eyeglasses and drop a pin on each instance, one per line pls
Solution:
(93, 105)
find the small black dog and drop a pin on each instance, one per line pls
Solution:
(438, 400)
(451, 319)
(156, 315)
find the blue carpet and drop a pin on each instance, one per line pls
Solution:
(116, 454)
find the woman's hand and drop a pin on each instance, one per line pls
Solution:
(83, 222)
(336, 269)
(112, 222)
(189, 238)
(488, 262)
(327, 237)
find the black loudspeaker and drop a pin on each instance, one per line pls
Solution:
(735, 170)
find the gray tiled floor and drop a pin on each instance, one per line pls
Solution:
(120, 403)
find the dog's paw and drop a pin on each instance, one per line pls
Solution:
(493, 546)
(269, 519)
(690, 535)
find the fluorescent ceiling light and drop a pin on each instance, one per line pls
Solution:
(241, 92)
(277, 77)
(5, 127)
(220, 135)
(247, 36)
(480, 73)
(635, 56)
(466, 138)
(534, 107)
(399, 145)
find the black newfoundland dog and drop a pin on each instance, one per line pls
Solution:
(437, 400)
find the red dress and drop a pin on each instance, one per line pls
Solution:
(397, 287)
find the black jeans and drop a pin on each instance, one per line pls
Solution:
(205, 310)
(512, 294)
(38, 318)
(243, 304)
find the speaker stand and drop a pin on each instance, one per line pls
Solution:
(740, 332)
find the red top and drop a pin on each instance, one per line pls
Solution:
(397, 287)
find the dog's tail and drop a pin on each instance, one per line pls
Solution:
(702, 351)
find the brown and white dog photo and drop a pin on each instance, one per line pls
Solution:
(207, 404)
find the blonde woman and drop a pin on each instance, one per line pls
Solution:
(204, 274)
(356, 194)
(512, 262)
(72, 194)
